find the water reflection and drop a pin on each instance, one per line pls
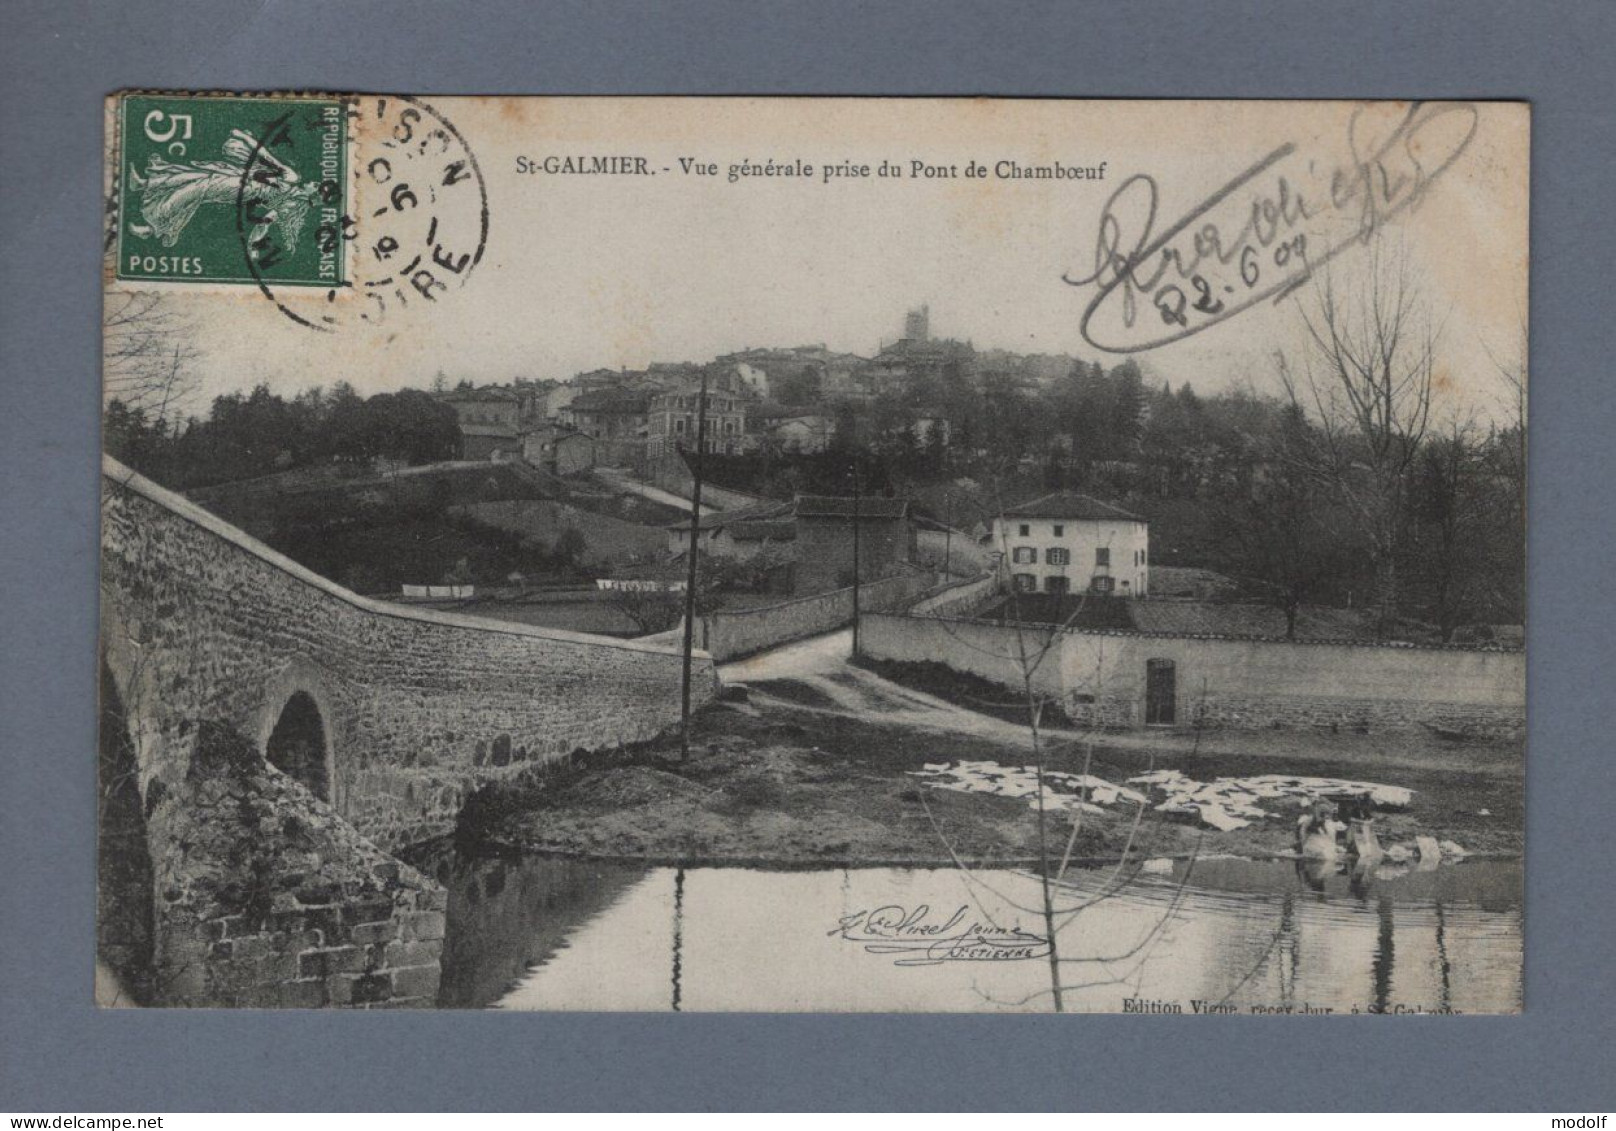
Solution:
(548, 933)
(509, 914)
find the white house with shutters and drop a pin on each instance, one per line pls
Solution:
(1072, 543)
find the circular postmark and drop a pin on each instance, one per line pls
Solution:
(405, 225)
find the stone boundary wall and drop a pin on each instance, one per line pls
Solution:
(959, 599)
(728, 636)
(671, 473)
(958, 551)
(1100, 678)
(418, 707)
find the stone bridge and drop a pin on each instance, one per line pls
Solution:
(268, 738)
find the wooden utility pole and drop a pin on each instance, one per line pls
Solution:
(855, 558)
(691, 577)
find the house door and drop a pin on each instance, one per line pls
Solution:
(1161, 693)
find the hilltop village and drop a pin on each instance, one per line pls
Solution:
(566, 502)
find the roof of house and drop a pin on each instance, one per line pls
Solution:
(838, 506)
(496, 431)
(557, 433)
(764, 530)
(1072, 505)
(778, 520)
(716, 519)
(635, 401)
(487, 393)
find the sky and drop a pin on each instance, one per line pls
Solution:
(580, 272)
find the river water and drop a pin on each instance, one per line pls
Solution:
(534, 932)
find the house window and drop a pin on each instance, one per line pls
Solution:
(1057, 584)
(1024, 555)
(1101, 584)
(679, 425)
(1102, 556)
(1025, 530)
(1057, 556)
(1060, 531)
(1026, 583)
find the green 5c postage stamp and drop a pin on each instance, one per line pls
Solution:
(219, 189)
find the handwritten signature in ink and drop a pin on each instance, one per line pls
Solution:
(919, 938)
(1264, 233)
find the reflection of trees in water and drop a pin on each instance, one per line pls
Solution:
(508, 913)
(1290, 952)
(1444, 966)
(678, 933)
(1385, 954)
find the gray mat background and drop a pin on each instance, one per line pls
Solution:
(57, 1054)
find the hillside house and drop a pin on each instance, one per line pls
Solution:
(814, 531)
(618, 419)
(771, 373)
(558, 449)
(495, 442)
(806, 434)
(824, 524)
(674, 414)
(1068, 542)
(740, 533)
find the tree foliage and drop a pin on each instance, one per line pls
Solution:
(249, 435)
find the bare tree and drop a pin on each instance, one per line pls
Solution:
(149, 356)
(1455, 556)
(1366, 376)
(1062, 903)
(1282, 527)
(1509, 436)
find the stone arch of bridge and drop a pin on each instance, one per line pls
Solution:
(298, 731)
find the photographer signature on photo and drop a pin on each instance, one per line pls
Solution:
(920, 937)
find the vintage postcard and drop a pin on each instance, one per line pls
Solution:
(813, 554)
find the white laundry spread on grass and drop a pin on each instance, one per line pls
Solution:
(1062, 791)
(1225, 804)
(1231, 803)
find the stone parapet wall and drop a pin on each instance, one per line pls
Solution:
(201, 622)
(1347, 715)
(959, 599)
(979, 648)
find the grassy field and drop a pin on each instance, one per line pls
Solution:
(377, 532)
(608, 539)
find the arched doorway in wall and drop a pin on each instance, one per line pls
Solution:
(297, 745)
(124, 885)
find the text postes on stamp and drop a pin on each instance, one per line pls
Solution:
(223, 189)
